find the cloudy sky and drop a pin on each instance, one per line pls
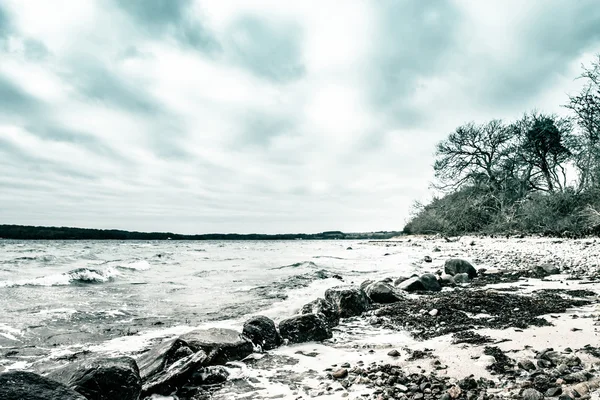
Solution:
(261, 115)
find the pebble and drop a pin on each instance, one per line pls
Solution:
(394, 353)
(340, 373)
(433, 312)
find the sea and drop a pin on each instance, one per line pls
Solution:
(59, 298)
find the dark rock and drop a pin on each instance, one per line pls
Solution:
(221, 345)
(366, 283)
(262, 332)
(436, 249)
(380, 292)
(527, 365)
(176, 376)
(545, 270)
(461, 278)
(21, 385)
(430, 282)
(323, 309)
(447, 280)
(531, 394)
(349, 301)
(455, 266)
(340, 373)
(304, 328)
(393, 353)
(427, 259)
(413, 284)
(554, 391)
(102, 378)
(161, 356)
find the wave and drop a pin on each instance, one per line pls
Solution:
(139, 265)
(305, 264)
(82, 276)
(280, 289)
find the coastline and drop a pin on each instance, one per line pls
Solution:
(360, 344)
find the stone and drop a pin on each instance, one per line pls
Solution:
(553, 391)
(262, 332)
(22, 385)
(177, 375)
(349, 301)
(323, 309)
(161, 356)
(102, 378)
(447, 280)
(221, 345)
(455, 266)
(531, 394)
(427, 259)
(461, 278)
(340, 373)
(304, 328)
(527, 365)
(433, 312)
(545, 270)
(413, 284)
(383, 293)
(430, 282)
(393, 353)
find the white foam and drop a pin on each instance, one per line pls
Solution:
(139, 265)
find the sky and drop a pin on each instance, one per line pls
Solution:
(262, 116)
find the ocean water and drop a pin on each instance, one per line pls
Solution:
(61, 297)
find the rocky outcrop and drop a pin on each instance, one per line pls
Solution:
(304, 328)
(383, 293)
(455, 266)
(262, 332)
(23, 385)
(349, 301)
(324, 309)
(221, 345)
(102, 378)
(161, 356)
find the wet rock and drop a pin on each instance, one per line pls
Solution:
(102, 378)
(349, 301)
(366, 283)
(380, 292)
(179, 374)
(323, 309)
(411, 284)
(23, 385)
(262, 332)
(304, 328)
(221, 345)
(531, 394)
(161, 356)
(393, 353)
(461, 278)
(427, 259)
(426, 282)
(455, 266)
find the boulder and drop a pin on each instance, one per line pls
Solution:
(102, 378)
(447, 280)
(366, 283)
(349, 301)
(323, 309)
(531, 394)
(455, 266)
(545, 270)
(23, 385)
(381, 292)
(180, 373)
(262, 332)
(425, 282)
(221, 345)
(161, 356)
(461, 278)
(304, 328)
(430, 282)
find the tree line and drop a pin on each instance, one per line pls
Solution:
(538, 174)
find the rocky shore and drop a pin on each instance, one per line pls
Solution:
(483, 318)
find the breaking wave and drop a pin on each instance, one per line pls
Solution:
(76, 276)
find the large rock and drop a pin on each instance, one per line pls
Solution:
(380, 292)
(349, 301)
(447, 280)
(221, 345)
(102, 378)
(161, 356)
(262, 332)
(21, 385)
(323, 309)
(304, 328)
(545, 270)
(185, 371)
(423, 283)
(463, 277)
(455, 266)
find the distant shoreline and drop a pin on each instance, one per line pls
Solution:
(26, 232)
